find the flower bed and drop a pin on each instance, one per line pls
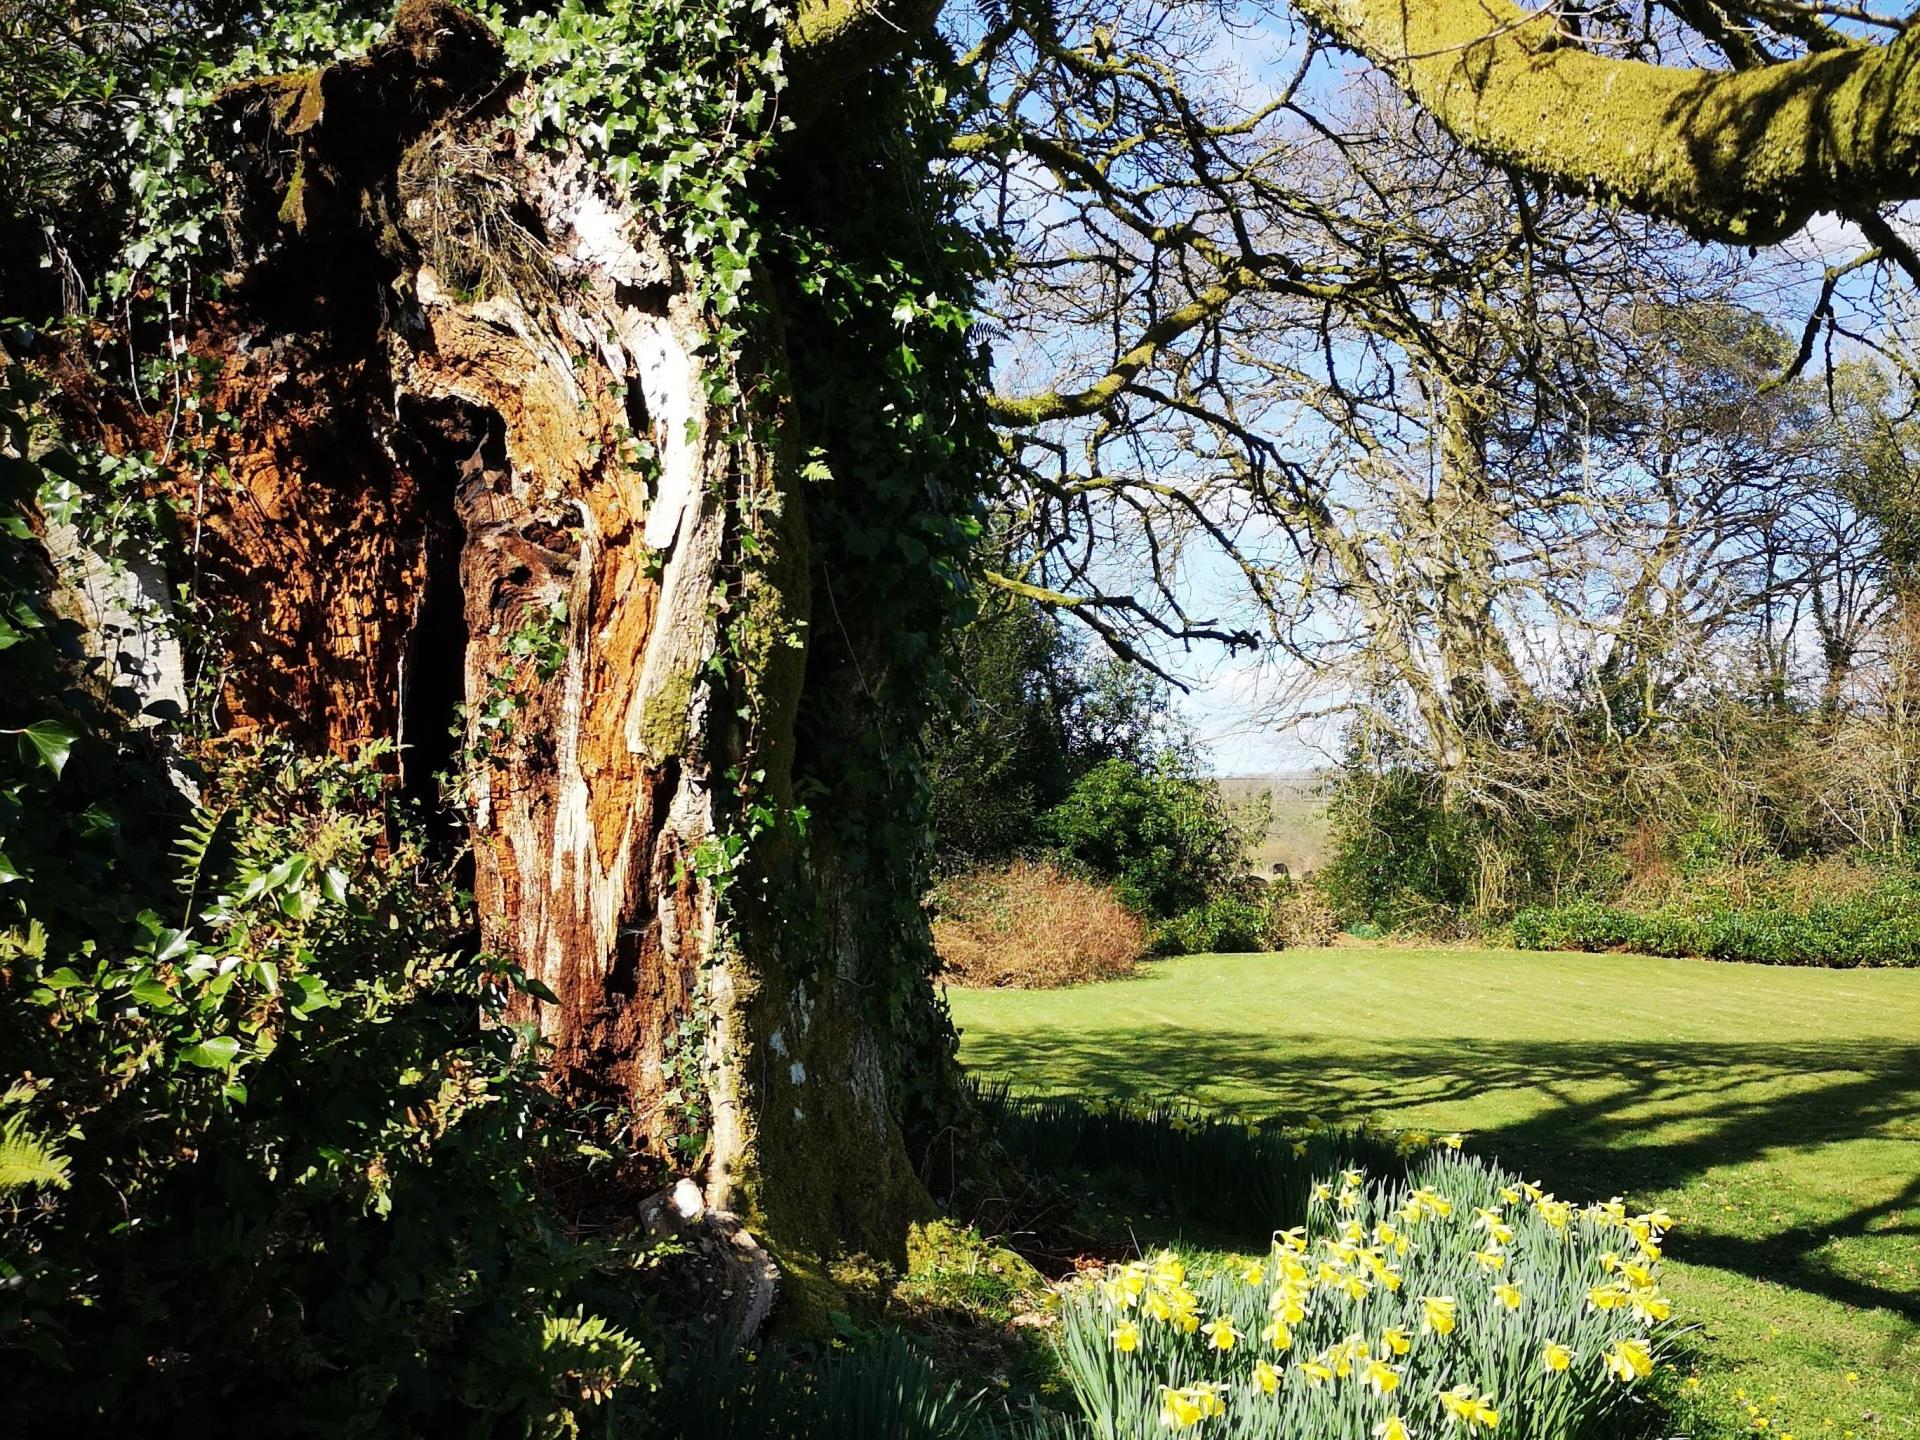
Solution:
(1457, 1302)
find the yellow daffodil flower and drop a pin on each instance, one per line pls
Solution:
(1394, 1341)
(1316, 1371)
(1180, 1409)
(1278, 1334)
(1490, 1259)
(1381, 1376)
(1266, 1377)
(1437, 1314)
(1453, 1141)
(1220, 1332)
(1649, 1305)
(1253, 1273)
(1392, 1428)
(1629, 1360)
(1126, 1337)
(1556, 1357)
(1507, 1295)
(1463, 1404)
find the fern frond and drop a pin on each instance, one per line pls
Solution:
(195, 840)
(191, 849)
(27, 1160)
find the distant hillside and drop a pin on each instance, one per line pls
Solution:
(1297, 824)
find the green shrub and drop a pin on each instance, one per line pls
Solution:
(1456, 1301)
(1400, 857)
(1230, 923)
(1879, 927)
(302, 1151)
(1248, 916)
(1161, 833)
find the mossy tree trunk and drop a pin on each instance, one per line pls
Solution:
(483, 506)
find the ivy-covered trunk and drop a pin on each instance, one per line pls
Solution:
(505, 493)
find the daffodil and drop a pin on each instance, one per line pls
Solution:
(1126, 1337)
(1393, 1340)
(1381, 1376)
(1437, 1314)
(1649, 1305)
(1180, 1409)
(1453, 1141)
(1607, 1297)
(1507, 1295)
(1490, 1259)
(1629, 1360)
(1392, 1428)
(1253, 1273)
(1220, 1332)
(1278, 1334)
(1556, 1357)
(1266, 1377)
(1463, 1404)
(1317, 1371)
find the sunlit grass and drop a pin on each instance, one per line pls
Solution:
(1775, 1112)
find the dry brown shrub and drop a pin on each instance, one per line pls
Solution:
(1032, 926)
(1300, 918)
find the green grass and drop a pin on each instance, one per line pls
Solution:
(1776, 1112)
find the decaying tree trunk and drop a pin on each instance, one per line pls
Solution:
(475, 474)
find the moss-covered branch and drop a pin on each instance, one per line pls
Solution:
(1742, 155)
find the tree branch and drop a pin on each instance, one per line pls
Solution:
(1744, 155)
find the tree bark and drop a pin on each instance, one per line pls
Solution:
(476, 473)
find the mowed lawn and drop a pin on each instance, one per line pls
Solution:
(1775, 1112)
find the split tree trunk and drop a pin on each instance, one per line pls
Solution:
(476, 472)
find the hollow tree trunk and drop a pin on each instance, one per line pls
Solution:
(476, 473)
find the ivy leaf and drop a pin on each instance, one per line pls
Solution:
(218, 1053)
(149, 991)
(52, 742)
(313, 995)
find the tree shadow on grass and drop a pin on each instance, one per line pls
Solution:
(1594, 1118)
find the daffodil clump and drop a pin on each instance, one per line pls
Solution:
(1457, 1304)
